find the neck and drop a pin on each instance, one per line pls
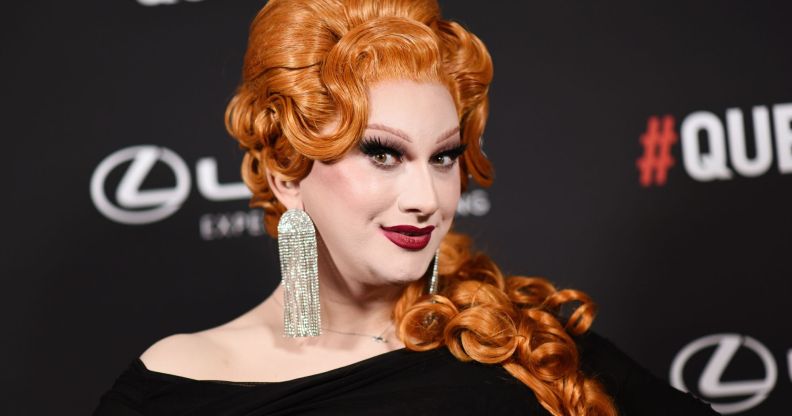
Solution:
(363, 315)
(349, 305)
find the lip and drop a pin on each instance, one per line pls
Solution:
(409, 237)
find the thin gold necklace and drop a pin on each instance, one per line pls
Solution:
(376, 338)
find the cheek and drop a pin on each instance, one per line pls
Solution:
(345, 189)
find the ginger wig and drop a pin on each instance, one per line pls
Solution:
(309, 62)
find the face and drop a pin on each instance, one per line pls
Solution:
(383, 208)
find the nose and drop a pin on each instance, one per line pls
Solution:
(419, 195)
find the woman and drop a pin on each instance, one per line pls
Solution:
(361, 122)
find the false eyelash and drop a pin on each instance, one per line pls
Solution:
(375, 145)
(453, 152)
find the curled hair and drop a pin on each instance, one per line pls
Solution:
(310, 63)
(481, 315)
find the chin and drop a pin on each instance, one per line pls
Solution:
(406, 271)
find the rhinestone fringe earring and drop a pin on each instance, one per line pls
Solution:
(433, 278)
(299, 275)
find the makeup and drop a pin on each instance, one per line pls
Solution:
(409, 237)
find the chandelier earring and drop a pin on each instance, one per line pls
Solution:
(299, 274)
(433, 277)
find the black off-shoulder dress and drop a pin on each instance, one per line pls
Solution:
(399, 382)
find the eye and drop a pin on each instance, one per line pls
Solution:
(385, 159)
(443, 160)
(381, 154)
(447, 158)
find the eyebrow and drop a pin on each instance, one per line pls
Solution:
(396, 132)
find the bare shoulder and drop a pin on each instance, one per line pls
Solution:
(218, 353)
(188, 355)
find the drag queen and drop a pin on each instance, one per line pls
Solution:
(361, 123)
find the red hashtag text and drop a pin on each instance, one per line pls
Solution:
(656, 160)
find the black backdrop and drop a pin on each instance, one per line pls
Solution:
(681, 269)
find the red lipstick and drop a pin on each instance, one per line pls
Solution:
(409, 237)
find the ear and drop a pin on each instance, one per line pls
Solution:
(287, 192)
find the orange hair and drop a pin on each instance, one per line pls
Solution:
(311, 61)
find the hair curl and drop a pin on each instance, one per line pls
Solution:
(310, 62)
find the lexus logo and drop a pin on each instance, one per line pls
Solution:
(136, 206)
(710, 383)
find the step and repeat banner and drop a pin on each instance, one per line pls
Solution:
(643, 154)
